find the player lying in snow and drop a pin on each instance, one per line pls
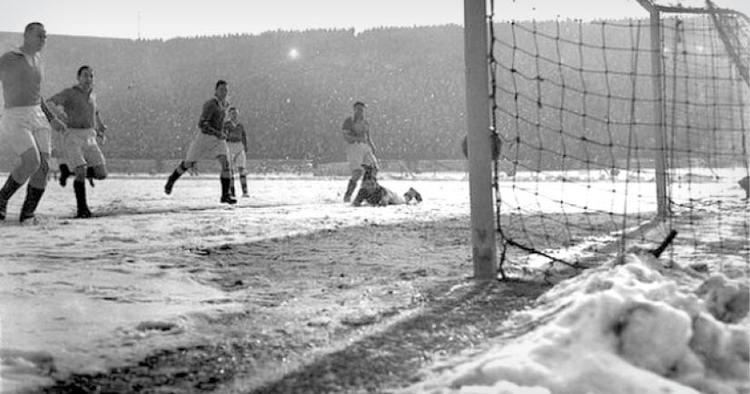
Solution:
(375, 194)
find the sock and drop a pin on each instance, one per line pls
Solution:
(33, 195)
(8, 190)
(82, 205)
(243, 184)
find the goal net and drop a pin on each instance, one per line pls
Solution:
(591, 123)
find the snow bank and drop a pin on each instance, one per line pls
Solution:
(631, 327)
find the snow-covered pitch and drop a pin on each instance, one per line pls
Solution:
(70, 288)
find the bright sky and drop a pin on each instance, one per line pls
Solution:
(172, 18)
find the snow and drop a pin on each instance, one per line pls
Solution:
(626, 328)
(76, 291)
(84, 293)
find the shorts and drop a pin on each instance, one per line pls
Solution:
(206, 147)
(360, 153)
(80, 148)
(24, 128)
(237, 157)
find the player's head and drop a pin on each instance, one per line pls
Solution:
(369, 178)
(85, 76)
(221, 89)
(34, 36)
(359, 107)
(233, 112)
(370, 172)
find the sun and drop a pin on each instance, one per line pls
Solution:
(293, 53)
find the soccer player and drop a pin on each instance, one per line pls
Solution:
(359, 149)
(80, 148)
(25, 124)
(209, 142)
(237, 145)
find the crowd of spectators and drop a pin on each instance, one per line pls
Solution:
(559, 88)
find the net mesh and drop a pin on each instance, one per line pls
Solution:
(574, 108)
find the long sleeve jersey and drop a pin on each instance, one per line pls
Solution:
(235, 132)
(212, 118)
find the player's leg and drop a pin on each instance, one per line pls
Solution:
(354, 155)
(35, 188)
(38, 180)
(76, 142)
(91, 175)
(368, 157)
(97, 168)
(395, 199)
(176, 174)
(356, 174)
(232, 191)
(241, 163)
(79, 187)
(20, 139)
(243, 181)
(233, 151)
(226, 197)
(40, 135)
(30, 163)
(199, 146)
(65, 173)
(98, 172)
(361, 155)
(97, 165)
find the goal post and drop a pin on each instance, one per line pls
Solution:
(484, 249)
(660, 167)
(657, 71)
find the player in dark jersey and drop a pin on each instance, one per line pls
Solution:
(359, 147)
(80, 141)
(25, 124)
(209, 142)
(237, 145)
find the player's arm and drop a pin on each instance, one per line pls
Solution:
(53, 108)
(56, 105)
(244, 137)
(52, 117)
(101, 129)
(209, 110)
(225, 129)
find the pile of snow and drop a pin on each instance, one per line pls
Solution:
(631, 327)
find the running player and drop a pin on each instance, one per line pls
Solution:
(237, 145)
(80, 148)
(25, 124)
(209, 142)
(359, 149)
